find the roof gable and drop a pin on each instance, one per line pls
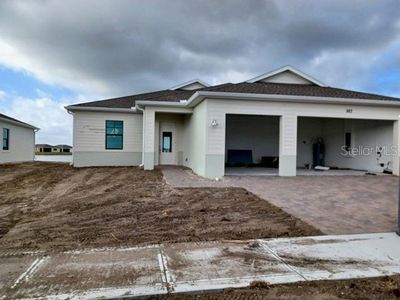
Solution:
(286, 75)
(190, 85)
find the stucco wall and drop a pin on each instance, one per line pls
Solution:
(177, 121)
(194, 136)
(22, 143)
(89, 139)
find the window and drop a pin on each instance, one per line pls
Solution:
(347, 140)
(6, 139)
(114, 135)
(167, 142)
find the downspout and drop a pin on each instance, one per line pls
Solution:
(398, 192)
(73, 136)
(137, 107)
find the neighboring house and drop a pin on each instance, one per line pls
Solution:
(63, 148)
(46, 148)
(17, 140)
(281, 114)
(43, 148)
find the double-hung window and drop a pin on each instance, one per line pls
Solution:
(6, 139)
(114, 135)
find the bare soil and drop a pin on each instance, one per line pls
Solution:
(373, 288)
(54, 207)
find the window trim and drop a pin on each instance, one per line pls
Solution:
(121, 135)
(7, 139)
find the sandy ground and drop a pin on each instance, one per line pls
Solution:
(374, 288)
(54, 207)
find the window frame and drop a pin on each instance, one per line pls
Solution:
(119, 134)
(7, 139)
(166, 134)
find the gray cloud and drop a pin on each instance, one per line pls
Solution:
(112, 48)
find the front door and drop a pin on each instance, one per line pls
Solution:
(167, 144)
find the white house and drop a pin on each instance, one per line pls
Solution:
(17, 140)
(284, 114)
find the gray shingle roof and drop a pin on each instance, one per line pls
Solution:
(244, 87)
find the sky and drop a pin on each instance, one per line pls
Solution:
(56, 53)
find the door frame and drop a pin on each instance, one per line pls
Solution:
(168, 158)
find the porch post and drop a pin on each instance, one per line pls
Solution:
(396, 148)
(148, 138)
(287, 145)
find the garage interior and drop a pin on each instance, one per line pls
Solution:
(336, 146)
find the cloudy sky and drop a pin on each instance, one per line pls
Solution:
(54, 53)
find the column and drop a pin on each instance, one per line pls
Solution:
(148, 138)
(287, 145)
(396, 147)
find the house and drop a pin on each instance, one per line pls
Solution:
(284, 116)
(18, 140)
(43, 148)
(46, 148)
(63, 148)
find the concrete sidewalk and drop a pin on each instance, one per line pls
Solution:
(191, 267)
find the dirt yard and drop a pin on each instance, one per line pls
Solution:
(53, 207)
(373, 288)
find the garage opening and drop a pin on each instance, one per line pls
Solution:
(251, 145)
(329, 146)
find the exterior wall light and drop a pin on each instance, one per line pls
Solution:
(214, 123)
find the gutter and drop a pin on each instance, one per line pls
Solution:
(201, 95)
(73, 108)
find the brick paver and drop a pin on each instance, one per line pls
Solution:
(333, 204)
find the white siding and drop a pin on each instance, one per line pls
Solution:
(287, 77)
(22, 143)
(89, 131)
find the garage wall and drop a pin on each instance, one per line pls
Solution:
(366, 134)
(308, 129)
(22, 143)
(89, 140)
(257, 133)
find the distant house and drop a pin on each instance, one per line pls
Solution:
(41, 148)
(17, 140)
(62, 148)
(46, 148)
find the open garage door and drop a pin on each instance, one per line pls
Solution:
(344, 145)
(251, 145)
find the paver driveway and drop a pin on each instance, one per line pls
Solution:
(333, 204)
